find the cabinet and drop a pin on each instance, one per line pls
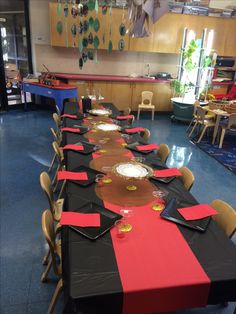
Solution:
(66, 38)
(166, 34)
(121, 94)
(127, 94)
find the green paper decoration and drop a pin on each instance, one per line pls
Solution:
(110, 46)
(80, 28)
(66, 10)
(90, 55)
(91, 22)
(96, 25)
(80, 46)
(85, 42)
(96, 6)
(59, 27)
(73, 30)
(90, 38)
(59, 8)
(122, 29)
(121, 44)
(81, 63)
(84, 56)
(85, 26)
(91, 5)
(96, 42)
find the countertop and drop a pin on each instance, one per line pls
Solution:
(112, 78)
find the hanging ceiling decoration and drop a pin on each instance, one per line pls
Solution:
(140, 12)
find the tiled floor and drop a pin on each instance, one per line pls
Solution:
(25, 151)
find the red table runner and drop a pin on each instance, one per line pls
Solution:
(157, 268)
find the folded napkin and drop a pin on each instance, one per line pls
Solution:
(72, 116)
(134, 130)
(80, 220)
(68, 175)
(74, 130)
(197, 212)
(147, 147)
(124, 117)
(74, 147)
(172, 172)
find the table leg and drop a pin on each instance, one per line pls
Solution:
(216, 128)
(25, 103)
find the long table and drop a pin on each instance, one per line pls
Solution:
(58, 93)
(159, 266)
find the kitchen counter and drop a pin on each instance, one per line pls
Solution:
(110, 78)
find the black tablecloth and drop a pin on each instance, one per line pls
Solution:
(90, 274)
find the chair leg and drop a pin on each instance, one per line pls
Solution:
(55, 176)
(46, 258)
(191, 122)
(62, 189)
(138, 114)
(55, 297)
(153, 114)
(222, 138)
(55, 187)
(194, 127)
(44, 276)
(203, 132)
(52, 163)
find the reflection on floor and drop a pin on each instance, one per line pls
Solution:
(25, 152)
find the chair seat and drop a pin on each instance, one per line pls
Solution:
(146, 106)
(207, 116)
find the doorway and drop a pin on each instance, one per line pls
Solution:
(15, 50)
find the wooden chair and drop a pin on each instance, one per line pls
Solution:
(187, 177)
(55, 254)
(146, 103)
(145, 134)
(226, 219)
(230, 126)
(208, 116)
(126, 111)
(202, 121)
(57, 121)
(58, 140)
(55, 206)
(164, 152)
(60, 159)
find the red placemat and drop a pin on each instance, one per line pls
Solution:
(74, 130)
(73, 147)
(124, 117)
(197, 212)
(68, 175)
(80, 219)
(147, 147)
(172, 172)
(134, 130)
(72, 116)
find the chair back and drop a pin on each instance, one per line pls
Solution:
(196, 104)
(226, 219)
(57, 121)
(46, 185)
(147, 98)
(164, 152)
(58, 152)
(145, 134)
(50, 236)
(55, 136)
(232, 122)
(200, 113)
(187, 177)
(126, 111)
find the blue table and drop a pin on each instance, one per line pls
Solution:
(58, 93)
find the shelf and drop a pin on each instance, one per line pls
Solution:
(226, 68)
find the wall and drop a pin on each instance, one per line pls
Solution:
(65, 60)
